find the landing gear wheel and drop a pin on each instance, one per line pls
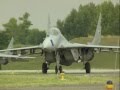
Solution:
(44, 68)
(56, 70)
(6, 62)
(60, 69)
(87, 68)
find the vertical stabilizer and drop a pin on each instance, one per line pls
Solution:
(97, 37)
(10, 46)
(49, 25)
(49, 22)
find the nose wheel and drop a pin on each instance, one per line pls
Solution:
(56, 69)
(87, 67)
(44, 68)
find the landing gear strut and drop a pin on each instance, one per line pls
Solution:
(44, 68)
(87, 67)
(60, 69)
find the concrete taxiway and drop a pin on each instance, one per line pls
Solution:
(74, 71)
(72, 87)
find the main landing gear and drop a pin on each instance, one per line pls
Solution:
(87, 67)
(60, 69)
(44, 68)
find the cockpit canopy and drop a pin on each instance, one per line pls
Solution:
(54, 31)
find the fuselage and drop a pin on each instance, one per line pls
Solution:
(51, 45)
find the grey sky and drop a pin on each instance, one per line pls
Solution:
(39, 9)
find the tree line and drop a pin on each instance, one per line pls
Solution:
(83, 21)
(21, 31)
(79, 22)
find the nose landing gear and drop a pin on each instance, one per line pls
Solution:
(60, 69)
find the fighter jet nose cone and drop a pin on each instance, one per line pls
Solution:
(48, 45)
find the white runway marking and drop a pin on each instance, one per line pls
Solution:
(66, 71)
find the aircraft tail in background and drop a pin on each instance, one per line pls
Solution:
(10, 46)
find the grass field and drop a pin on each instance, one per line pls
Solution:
(101, 60)
(37, 80)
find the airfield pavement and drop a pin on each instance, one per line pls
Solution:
(74, 87)
(70, 71)
(67, 87)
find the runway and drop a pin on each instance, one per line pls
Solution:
(75, 87)
(70, 71)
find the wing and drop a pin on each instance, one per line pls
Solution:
(95, 47)
(15, 56)
(23, 48)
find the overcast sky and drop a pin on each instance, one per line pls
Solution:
(39, 10)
